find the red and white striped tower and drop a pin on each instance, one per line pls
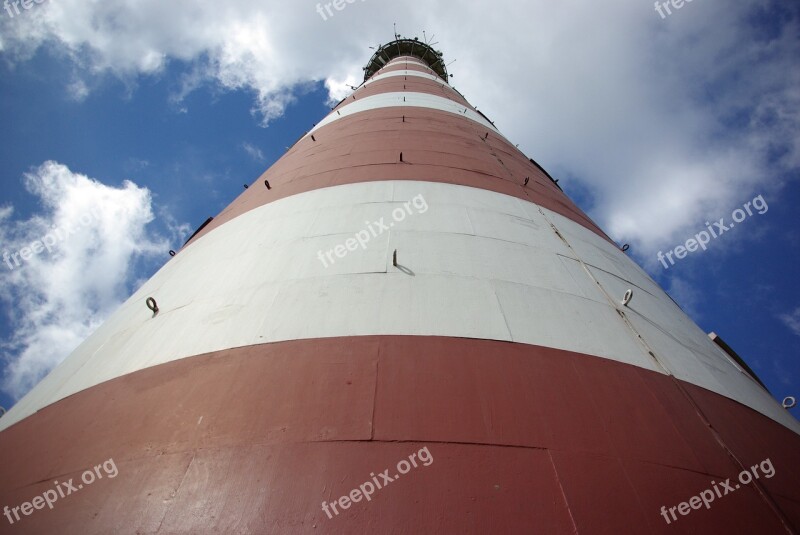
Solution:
(402, 278)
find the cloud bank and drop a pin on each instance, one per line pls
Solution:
(67, 267)
(664, 122)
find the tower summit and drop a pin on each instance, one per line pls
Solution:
(404, 325)
(411, 48)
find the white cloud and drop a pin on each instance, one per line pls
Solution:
(338, 90)
(77, 90)
(667, 122)
(792, 321)
(253, 151)
(57, 295)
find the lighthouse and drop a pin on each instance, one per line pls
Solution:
(403, 326)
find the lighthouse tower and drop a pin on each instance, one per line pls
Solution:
(403, 326)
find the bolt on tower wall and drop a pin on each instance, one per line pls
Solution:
(402, 287)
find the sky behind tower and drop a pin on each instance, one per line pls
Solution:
(127, 123)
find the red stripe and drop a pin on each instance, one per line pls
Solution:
(413, 84)
(437, 146)
(523, 439)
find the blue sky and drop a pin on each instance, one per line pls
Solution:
(654, 126)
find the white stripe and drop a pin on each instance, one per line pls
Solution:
(388, 100)
(476, 264)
